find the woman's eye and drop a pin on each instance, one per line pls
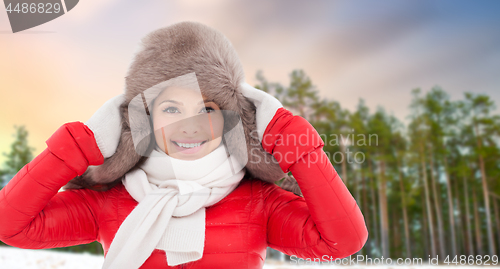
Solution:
(207, 109)
(170, 109)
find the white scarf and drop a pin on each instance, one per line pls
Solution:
(172, 196)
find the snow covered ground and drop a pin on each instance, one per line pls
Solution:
(14, 258)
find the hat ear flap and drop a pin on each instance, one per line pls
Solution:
(261, 164)
(109, 173)
(290, 184)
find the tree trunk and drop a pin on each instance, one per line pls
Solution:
(344, 160)
(426, 236)
(451, 209)
(357, 198)
(384, 218)
(427, 201)
(497, 219)
(405, 214)
(395, 236)
(460, 228)
(366, 211)
(374, 210)
(467, 220)
(477, 228)
(460, 231)
(491, 238)
(356, 187)
(301, 111)
(437, 206)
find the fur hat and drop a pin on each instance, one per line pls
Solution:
(172, 52)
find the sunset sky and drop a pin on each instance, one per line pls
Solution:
(64, 70)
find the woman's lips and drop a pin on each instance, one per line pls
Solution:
(188, 141)
(189, 150)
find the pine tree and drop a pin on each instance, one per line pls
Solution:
(483, 126)
(301, 94)
(20, 154)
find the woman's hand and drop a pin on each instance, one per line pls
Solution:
(106, 125)
(266, 105)
(285, 136)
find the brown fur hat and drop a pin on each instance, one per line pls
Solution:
(171, 52)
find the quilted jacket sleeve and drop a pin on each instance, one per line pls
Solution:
(327, 220)
(33, 214)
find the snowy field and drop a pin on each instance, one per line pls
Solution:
(14, 258)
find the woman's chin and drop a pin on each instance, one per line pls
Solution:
(188, 157)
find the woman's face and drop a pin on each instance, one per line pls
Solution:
(186, 126)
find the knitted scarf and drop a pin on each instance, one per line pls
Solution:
(172, 196)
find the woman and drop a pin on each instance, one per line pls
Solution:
(184, 186)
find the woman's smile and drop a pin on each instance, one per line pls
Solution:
(188, 148)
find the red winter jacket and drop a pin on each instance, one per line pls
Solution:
(325, 224)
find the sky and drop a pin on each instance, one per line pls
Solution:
(65, 69)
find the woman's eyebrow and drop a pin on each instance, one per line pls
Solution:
(173, 101)
(206, 101)
(180, 103)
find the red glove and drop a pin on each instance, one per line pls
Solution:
(75, 134)
(288, 138)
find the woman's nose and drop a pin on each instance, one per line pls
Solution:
(189, 130)
(192, 125)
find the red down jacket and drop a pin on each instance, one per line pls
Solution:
(327, 223)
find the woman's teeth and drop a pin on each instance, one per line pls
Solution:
(188, 145)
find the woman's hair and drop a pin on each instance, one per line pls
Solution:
(152, 142)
